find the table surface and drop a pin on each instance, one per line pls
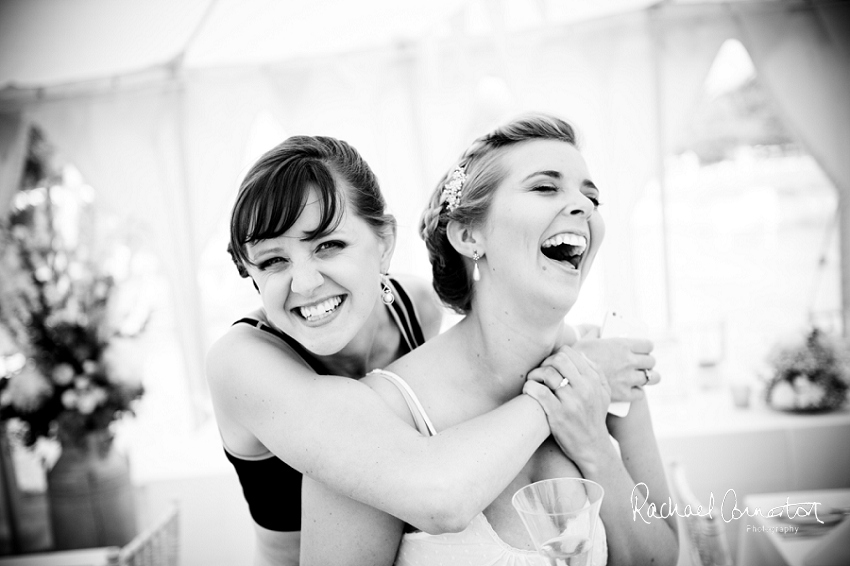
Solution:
(792, 548)
(713, 413)
(83, 557)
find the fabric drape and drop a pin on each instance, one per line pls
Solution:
(803, 58)
(13, 151)
(129, 147)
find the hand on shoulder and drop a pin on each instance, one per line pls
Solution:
(627, 364)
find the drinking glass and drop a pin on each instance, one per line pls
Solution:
(561, 514)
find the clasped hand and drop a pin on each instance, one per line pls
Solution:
(575, 396)
(575, 392)
(626, 363)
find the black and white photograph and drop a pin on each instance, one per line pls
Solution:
(458, 282)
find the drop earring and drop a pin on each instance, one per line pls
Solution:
(386, 291)
(476, 274)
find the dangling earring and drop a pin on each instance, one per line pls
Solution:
(476, 274)
(386, 291)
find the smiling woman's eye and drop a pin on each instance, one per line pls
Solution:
(267, 263)
(330, 245)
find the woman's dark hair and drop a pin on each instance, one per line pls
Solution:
(451, 273)
(274, 192)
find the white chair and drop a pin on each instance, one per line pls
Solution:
(706, 536)
(157, 545)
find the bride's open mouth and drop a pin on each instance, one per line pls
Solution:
(320, 310)
(565, 248)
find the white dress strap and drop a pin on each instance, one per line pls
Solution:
(413, 403)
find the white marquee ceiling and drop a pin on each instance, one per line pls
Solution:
(49, 42)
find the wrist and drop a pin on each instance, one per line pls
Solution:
(595, 461)
(538, 416)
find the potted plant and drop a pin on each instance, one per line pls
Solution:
(810, 377)
(73, 374)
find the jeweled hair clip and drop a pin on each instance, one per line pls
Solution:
(452, 190)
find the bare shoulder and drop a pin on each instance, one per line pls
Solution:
(247, 366)
(425, 300)
(414, 368)
(224, 354)
(390, 393)
(232, 350)
(425, 368)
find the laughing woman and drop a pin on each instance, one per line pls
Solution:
(310, 229)
(511, 232)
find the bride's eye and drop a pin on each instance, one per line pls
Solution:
(545, 189)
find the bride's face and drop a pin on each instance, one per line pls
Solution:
(543, 228)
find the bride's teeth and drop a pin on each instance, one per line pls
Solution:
(319, 310)
(570, 239)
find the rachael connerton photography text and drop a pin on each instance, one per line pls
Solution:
(644, 509)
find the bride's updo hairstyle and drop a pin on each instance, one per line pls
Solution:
(275, 189)
(482, 166)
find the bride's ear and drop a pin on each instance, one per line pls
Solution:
(464, 239)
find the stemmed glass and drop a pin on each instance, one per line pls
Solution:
(561, 514)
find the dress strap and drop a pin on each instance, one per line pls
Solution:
(423, 423)
(317, 366)
(407, 319)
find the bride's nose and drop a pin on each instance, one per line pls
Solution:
(578, 205)
(305, 278)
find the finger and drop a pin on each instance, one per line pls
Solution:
(654, 377)
(645, 377)
(641, 377)
(543, 395)
(578, 369)
(641, 345)
(583, 365)
(563, 365)
(546, 375)
(644, 361)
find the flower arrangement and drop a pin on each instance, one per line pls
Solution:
(69, 375)
(810, 377)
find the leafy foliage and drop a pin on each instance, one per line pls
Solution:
(67, 374)
(812, 376)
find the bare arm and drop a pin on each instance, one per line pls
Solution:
(325, 513)
(632, 539)
(582, 433)
(341, 531)
(340, 433)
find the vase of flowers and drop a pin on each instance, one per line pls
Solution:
(812, 376)
(71, 376)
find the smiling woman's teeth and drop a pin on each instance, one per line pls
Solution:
(579, 242)
(320, 310)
